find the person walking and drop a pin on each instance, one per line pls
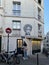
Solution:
(25, 50)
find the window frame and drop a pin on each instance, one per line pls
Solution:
(39, 14)
(39, 26)
(16, 21)
(39, 1)
(16, 8)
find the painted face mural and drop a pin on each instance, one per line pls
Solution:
(27, 29)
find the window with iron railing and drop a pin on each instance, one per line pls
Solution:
(16, 8)
(39, 30)
(39, 26)
(39, 14)
(39, 17)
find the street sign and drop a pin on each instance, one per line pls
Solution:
(8, 30)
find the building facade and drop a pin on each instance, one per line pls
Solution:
(46, 41)
(26, 19)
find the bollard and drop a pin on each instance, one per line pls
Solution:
(37, 59)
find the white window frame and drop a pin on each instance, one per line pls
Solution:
(16, 8)
(16, 25)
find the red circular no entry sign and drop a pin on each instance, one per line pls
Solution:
(8, 30)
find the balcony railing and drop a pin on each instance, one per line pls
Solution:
(39, 17)
(16, 12)
(39, 33)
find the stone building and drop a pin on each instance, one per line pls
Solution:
(26, 20)
(46, 41)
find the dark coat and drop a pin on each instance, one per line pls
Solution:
(24, 44)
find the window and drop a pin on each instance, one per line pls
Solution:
(16, 8)
(36, 45)
(39, 30)
(39, 1)
(0, 2)
(16, 24)
(47, 41)
(44, 38)
(39, 27)
(19, 43)
(39, 13)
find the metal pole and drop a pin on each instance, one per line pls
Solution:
(37, 59)
(8, 44)
(7, 47)
(37, 55)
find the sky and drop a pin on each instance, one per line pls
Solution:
(46, 16)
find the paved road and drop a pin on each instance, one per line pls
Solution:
(43, 60)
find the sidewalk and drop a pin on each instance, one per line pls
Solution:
(43, 60)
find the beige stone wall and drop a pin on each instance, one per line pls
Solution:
(24, 21)
(29, 15)
(26, 7)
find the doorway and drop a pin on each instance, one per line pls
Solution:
(0, 42)
(19, 46)
(36, 46)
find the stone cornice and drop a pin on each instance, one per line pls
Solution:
(24, 17)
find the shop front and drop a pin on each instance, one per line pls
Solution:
(19, 46)
(36, 45)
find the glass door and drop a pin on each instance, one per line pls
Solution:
(19, 46)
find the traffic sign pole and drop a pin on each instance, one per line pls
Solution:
(8, 44)
(8, 31)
